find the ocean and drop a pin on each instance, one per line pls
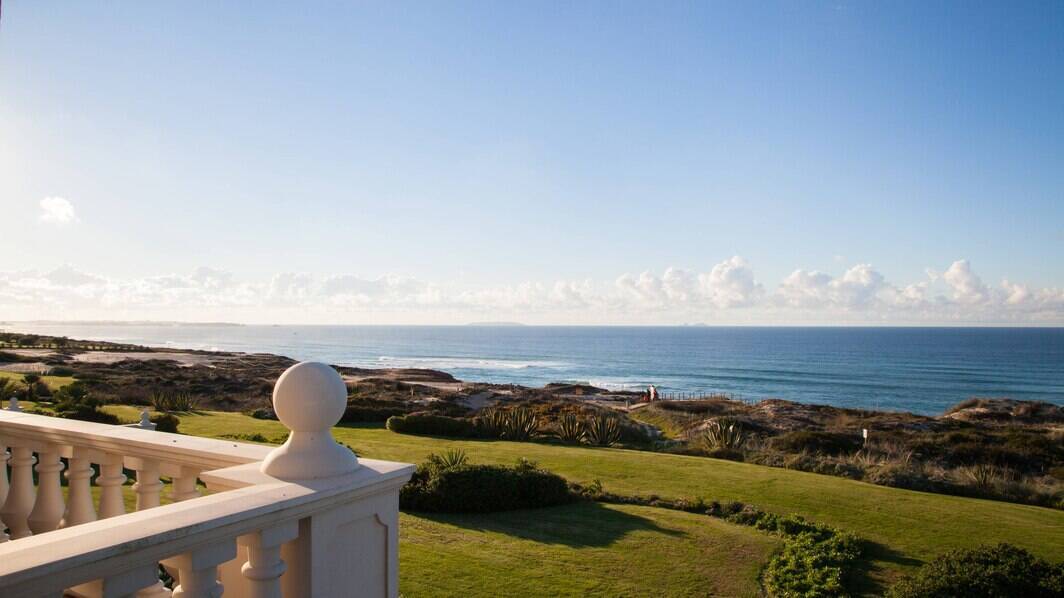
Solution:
(923, 370)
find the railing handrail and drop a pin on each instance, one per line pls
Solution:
(178, 449)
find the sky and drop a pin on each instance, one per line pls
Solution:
(768, 163)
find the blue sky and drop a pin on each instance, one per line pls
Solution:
(441, 162)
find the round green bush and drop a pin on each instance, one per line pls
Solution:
(1002, 571)
(464, 488)
(165, 422)
(431, 425)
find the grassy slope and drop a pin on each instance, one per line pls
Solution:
(669, 425)
(907, 526)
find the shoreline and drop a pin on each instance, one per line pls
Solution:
(894, 370)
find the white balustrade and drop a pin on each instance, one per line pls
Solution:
(304, 519)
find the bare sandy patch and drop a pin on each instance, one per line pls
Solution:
(109, 357)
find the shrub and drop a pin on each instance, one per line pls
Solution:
(452, 458)
(33, 385)
(519, 424)
(992, 571)
(603, 430)
(165, 422)
(491, 423)
(6, 357)
(357, 414)
(722, 434)
(74, 402)
(165, 401)
(811, 565)
(7, 389)
(61, 370)
(828, 443)
(982, 476)
(263, 413)
(901, 475)
(450, 485)
(431, 425)
(570, 428)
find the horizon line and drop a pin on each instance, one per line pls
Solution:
(221, 324)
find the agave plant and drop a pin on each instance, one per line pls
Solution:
(491, 423)
(520, 424)
(451, 459)
(159, 401)
(165, 402)
(570, 428)
(184, 402)
(603, 430)
(982, 475)
(723, 434)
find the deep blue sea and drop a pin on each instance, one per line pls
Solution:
(923, 370)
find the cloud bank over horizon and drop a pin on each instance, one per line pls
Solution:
(728, 293)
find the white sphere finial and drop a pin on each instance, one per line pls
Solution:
(309, 399)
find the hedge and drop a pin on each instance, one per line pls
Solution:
(432, 425)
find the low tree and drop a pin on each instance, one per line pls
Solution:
(31, 381)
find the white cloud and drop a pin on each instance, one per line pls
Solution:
(56, 210)
(967, 286)
(730, 284)
(728, 292)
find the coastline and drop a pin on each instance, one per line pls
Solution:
(921, 371)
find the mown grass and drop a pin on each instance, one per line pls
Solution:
(584, 549)
(906, 527)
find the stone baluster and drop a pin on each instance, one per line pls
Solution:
(183, 487)
(48, 508)
(79, 496)
(20, 493)
(3, 486)
(198, 570)
(264, 566)
(12, 404)
(110, 482)
(148, 487)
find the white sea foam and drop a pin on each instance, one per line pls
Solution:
(467, 363)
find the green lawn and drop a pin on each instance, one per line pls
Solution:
(907, 527)
(580, 550)
(53, 383)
